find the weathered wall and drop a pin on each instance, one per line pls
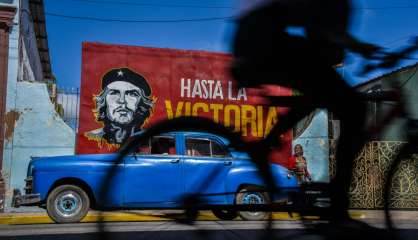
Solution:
(34, 129)
(7, 17)
(373, 162)
(407, 79)
(12, 71)
(314, 140)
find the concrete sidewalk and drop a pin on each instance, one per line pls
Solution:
(134, 216)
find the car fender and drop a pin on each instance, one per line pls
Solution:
(282, 177)
(48, 171)
(46, 181)
(239, 177)
(249, 175)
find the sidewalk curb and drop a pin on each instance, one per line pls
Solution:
(31, 218)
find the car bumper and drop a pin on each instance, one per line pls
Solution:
(25, 200)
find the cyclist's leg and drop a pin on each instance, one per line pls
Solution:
(331, 91)
(325, 86)
(351, 111)
(350, 143)
(297, 63)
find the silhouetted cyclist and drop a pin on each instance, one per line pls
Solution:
(266, 53)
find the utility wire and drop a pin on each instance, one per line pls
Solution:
(138, 20)
(110, 2)
(98, 19)
(151, 4)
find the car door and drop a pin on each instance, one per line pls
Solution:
(152, 174)
(205, 166)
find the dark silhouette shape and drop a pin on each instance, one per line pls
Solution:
(266, 53)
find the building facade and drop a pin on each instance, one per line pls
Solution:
(373, 162)
(7, 16)
(29, 124)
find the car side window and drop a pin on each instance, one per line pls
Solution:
(204, 148)
(158, 145)
(163, 145)
(218, 150)
(198, 147)
(144, 147)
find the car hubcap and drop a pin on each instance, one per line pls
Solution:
(68, 204)
(253, 198)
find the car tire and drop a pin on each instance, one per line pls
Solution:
(225, 214)
(67, 204)
(252, 195)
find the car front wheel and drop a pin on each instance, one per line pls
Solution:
(67, 204)
(252, 195)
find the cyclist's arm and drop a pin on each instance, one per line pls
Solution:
(351, 43)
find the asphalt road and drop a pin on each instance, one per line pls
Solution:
(241, 230)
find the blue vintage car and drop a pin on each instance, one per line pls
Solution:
(158, 175)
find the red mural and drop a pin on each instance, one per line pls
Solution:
(124, 89)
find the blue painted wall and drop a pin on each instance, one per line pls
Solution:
(33, 127)
(315, 143)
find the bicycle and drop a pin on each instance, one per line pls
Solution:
(258, 152)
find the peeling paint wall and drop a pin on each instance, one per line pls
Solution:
(32, 127)
(315, 143)
(11, 119)
(12, 73)
(35, 130)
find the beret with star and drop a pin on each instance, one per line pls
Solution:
(126, 75)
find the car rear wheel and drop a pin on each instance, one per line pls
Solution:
(252, 195)
(67, 204)
(225, 214)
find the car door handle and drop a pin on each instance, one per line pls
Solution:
(227, 163)
(175, 160)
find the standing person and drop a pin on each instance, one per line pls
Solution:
(266, 52)
(299, 165)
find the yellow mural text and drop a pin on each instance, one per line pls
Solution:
(250, 120)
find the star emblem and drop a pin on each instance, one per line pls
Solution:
(120, 73)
